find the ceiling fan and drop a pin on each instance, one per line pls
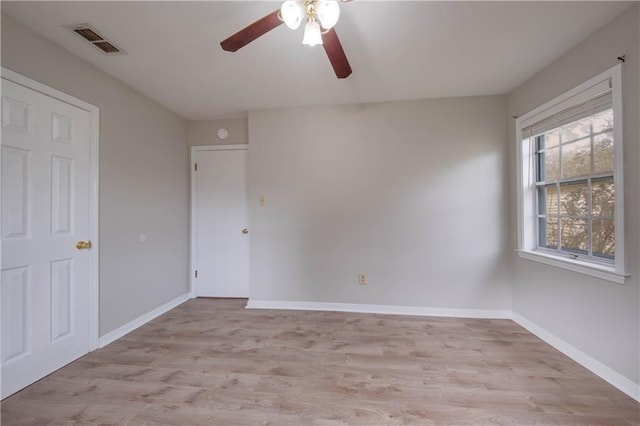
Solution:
(320, 16)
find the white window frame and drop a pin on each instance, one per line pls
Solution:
(526, 185)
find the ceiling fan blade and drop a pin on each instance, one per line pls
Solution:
(336, 54)
(252, 32)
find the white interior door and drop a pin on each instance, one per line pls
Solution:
(221, 223)
(46, 152)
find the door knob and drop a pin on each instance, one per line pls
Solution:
(83, 245)
(245, 231)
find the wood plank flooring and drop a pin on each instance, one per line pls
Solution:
(211, 362)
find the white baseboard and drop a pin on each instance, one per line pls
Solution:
(596, 367)
(380, 309)
(141, 320)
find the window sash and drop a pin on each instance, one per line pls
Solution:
(589, 217)
(558, 183)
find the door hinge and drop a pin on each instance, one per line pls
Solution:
(196, 274)
(195, 167)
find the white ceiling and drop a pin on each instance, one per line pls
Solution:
(398, 50)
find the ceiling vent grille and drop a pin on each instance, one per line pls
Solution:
(106, 47)
(88, 33)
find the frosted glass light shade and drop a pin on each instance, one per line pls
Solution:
(312, 35)
(292, 12)
(328, 12)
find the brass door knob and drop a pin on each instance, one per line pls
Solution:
(245, 231)
(83, 245)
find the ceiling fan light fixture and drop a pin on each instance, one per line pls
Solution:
(328, 12)
(312, 34)
(292, 12)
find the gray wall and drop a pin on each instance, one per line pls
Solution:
(410, 193)
(205, 132)
(143, 178)
(598, 317)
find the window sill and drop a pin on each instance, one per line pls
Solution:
(599, 271)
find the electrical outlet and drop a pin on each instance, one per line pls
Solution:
(362, 279)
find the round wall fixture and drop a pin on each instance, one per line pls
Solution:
(223, 133)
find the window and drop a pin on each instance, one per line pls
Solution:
(570, 180)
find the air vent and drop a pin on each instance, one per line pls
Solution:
(106, 47)
(88, 33)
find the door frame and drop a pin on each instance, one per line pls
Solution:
(94, 258)
(193, 231)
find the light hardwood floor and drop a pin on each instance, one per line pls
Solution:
(210, 361)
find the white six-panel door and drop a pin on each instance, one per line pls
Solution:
(45, 211)
(220, 230)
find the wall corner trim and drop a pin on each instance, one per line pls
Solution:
(380, 309)
(596, 367)
(141, 320)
